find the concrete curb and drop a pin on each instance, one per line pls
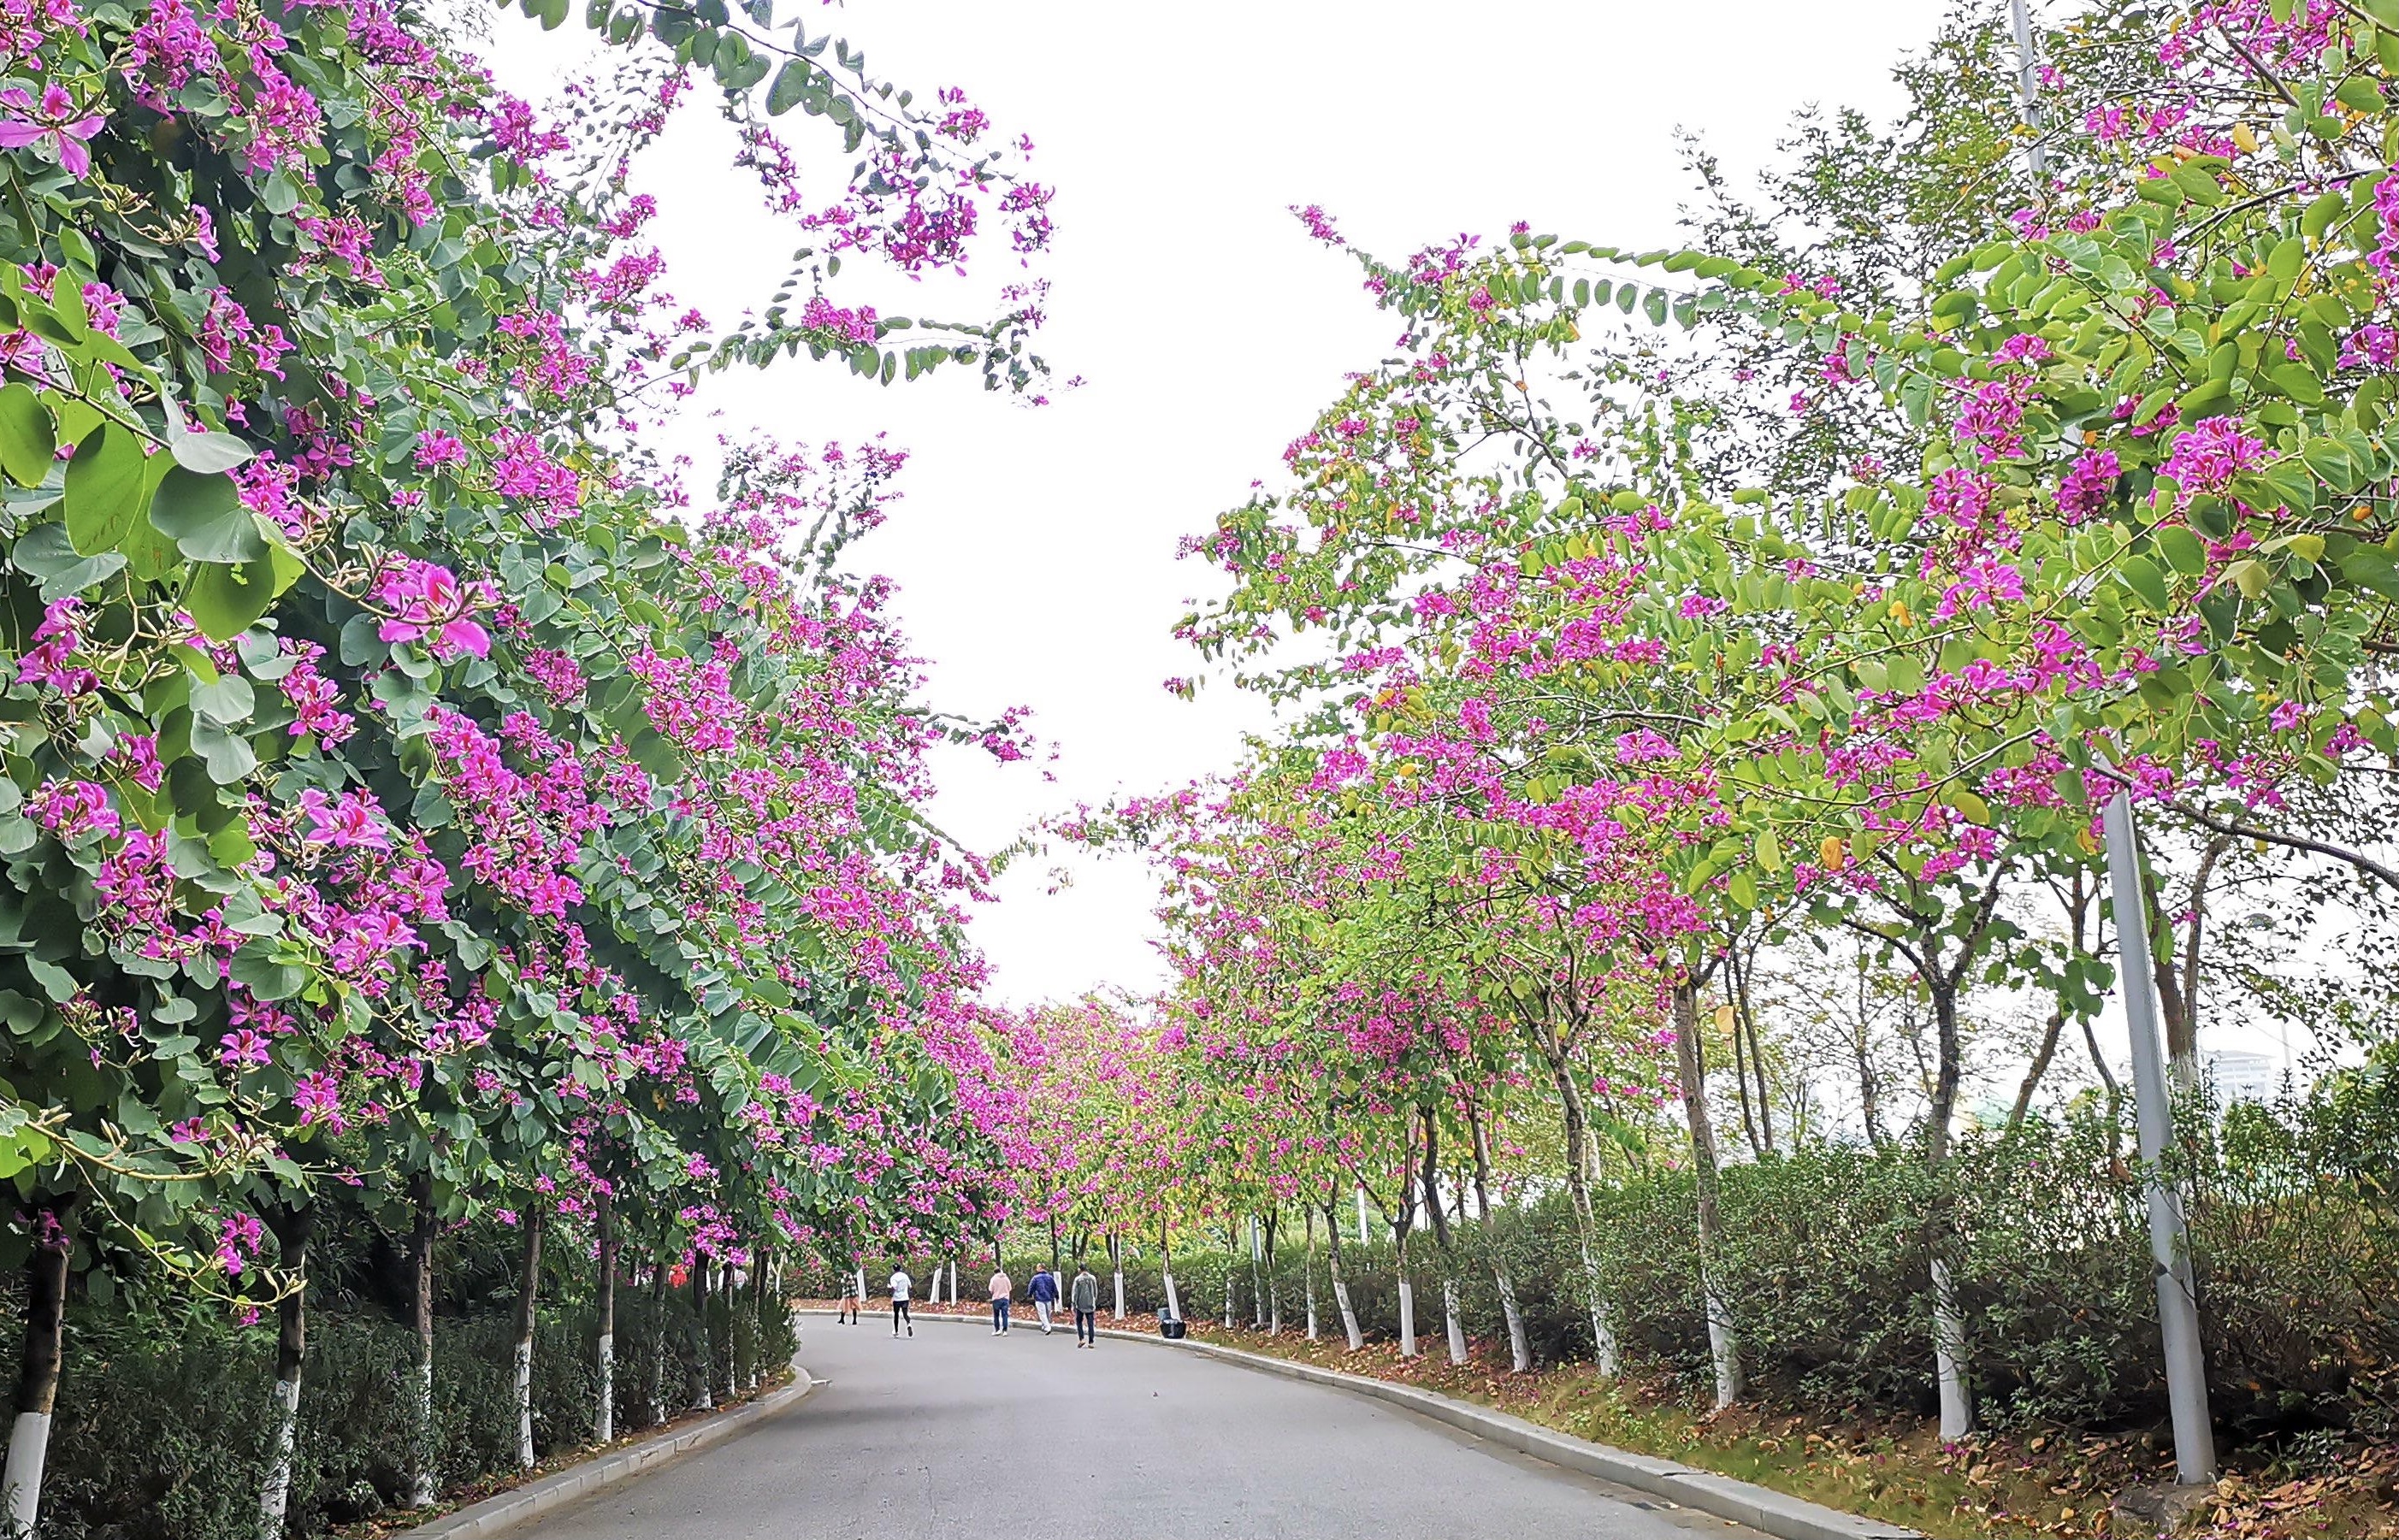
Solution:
(1775, 1513)
(506, 1509)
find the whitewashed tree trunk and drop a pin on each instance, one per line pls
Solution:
(657, 1341)
(426, 1456)
(528, 1281)
(1407, 1317)
(604, 1422)
(29, 1444)
(525, 1404)
(1520, 1351)
(1119, 1313)
(1307, 1268)
(1348, 1315)
(36, 1386)
(1173, 1303)
(38, 1390)
(706, 1398)
(1453, 1320)
(1257, 1281)
(1723, 1352)
(275, 1494)
(1949, 1357)
(290, 1352)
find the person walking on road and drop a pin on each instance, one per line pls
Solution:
(1002, 1287)
(901, 1284)
(1045, 1296)
(851, 1306)
(1085, 1298)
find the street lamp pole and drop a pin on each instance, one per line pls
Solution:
(2178, 1303)
(2028, 87)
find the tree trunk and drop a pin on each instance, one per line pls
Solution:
(37, 1386)
(1723, 1351)
(1307, 1266)
(603, 1425)
(657, 1341)
(1453, 1324)
(1520, 1351)
(1407, 1293)
(1257, 1282)
(1341, 1286)
(528, 1283)
(422, 1482)
(1744, 1025)
(291, 1351)
(706, 1400)
(1948, 1326)
(1166, 1270)
(1233, 1247)
(1869, 1086)
(1274, 1285)
(2039, 1067)
(1577, 1121)
(1115, 1263)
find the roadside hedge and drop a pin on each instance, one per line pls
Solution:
(1827, 1252)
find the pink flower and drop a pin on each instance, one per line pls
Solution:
(53, 122)
(430, 601)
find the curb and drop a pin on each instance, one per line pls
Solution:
(504, 1510)
(1775, 1513)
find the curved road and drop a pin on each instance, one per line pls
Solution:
(950, 1433)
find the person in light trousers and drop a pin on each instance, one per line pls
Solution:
(1085, 1298)
(1045, 1296)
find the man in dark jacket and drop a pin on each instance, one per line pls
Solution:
(1086, 1300)
(1045, 1296)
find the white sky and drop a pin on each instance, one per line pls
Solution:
(1035, 548)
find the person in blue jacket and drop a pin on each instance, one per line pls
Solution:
(1045, 1296)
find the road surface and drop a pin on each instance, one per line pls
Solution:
(952, 1433)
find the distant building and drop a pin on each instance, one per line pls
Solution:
(2244, 1076)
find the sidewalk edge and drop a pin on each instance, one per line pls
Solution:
(506, 1509)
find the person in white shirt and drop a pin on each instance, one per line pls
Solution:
(901, 1284)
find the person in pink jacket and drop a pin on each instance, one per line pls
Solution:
(1002, 1287)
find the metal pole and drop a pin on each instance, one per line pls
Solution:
(2028, 86)
(2177, 1304)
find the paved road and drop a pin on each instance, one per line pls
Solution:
(952, 1433)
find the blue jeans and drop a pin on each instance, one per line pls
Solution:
(1087, 1327)
(999, 1314)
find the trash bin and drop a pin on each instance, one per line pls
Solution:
(1169, 1328)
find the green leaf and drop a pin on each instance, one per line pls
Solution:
(2147, 579)
(791, 82)
(2186, 552)
(46, 553)
(208, 452)
(227, 755)
(104, 484)
(204, 516)
(2299, 383)
(225, 600)
(29, 440)
(2372, 567)
(2199, 183)
(2359, 93)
